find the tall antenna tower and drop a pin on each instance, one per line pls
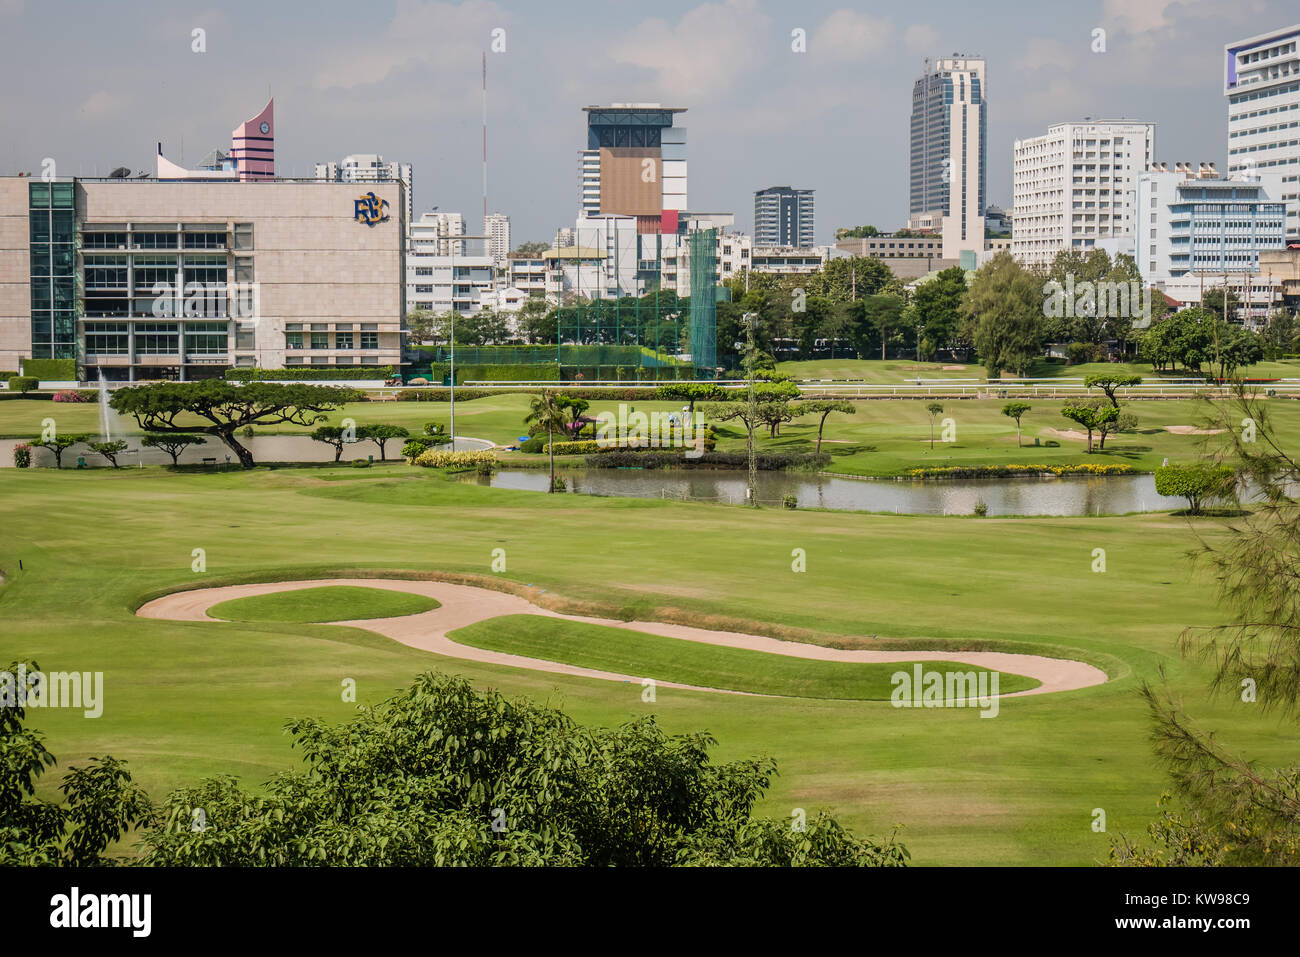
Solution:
(485, 229)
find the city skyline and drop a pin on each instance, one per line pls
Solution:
(834, 118)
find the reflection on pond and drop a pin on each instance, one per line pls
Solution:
(1091, 495)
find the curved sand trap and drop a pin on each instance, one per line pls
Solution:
(463, 605)
(1191, 430)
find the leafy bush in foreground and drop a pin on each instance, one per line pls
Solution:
(442, 774)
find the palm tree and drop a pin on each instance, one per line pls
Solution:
(545, 410)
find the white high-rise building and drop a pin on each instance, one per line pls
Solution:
(1261, 79)
(432, 234)
(497, 225)
(369, 168)
(948, 158)
(1198, 230)
(1077, 186)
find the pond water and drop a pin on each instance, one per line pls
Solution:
(1074, 495)
(265, 448)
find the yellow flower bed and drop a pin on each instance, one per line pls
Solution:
(996, 471)
(439, 459)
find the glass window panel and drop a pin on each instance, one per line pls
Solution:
(65, 226)
(39, 194)
(62, 195)
(40, 226)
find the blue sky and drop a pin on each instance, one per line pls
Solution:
(96, 85)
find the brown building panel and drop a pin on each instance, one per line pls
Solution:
(623, 187)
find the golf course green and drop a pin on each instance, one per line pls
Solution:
(184, 700)
(330, 603)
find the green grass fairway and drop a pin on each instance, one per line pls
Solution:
(330, 603)
(183, 700)
(886, 437)
(688, 662)
(892, 371)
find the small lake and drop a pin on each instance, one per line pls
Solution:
(1075, 495)
(265, 448)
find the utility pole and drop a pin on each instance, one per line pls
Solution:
(451, 250)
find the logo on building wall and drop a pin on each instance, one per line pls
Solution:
(370, 209)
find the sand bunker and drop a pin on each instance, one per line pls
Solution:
(463, 605)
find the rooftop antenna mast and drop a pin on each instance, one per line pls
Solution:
(485, 222)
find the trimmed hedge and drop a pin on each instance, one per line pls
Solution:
(63, 370)
(1008, 471)
(586, 447)
(306, 373)
(549, 371)
(666, 459)
(24, 383)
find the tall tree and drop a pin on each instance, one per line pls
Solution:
(937, 311)
(170, 407)
(1004, 312)
(823, 408)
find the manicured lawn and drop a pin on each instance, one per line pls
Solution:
(692, 663)
(184, 700)
(331, 603)
(891, 371)
(887, 437)
(883, 438)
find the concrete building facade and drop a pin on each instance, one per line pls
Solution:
(949, 125)
(784, 217)
(1198, 229)
(370, 168)
(1076, 186)
(1261, 79)
(180, 280)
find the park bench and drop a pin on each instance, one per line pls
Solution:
(210, 461)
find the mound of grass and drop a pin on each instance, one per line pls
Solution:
(327, 603)
(689, 662)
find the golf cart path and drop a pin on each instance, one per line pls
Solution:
(463, 605)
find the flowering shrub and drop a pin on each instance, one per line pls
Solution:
(438, 459)
(1006, 471)
(573, 448)
(73, 395)
(22, 455)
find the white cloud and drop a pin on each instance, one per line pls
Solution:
(848, 35)
(423, 33)
(102, 103)
(921, 39)
(705, 52)
(1045, 53)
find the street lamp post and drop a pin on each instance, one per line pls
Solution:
(452, 251)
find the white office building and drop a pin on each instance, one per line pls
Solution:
(369, 168)
(1200, 230)
(1076, 187)
(1261, 79)
(444, 282)
(433, 234)
(497, 225)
